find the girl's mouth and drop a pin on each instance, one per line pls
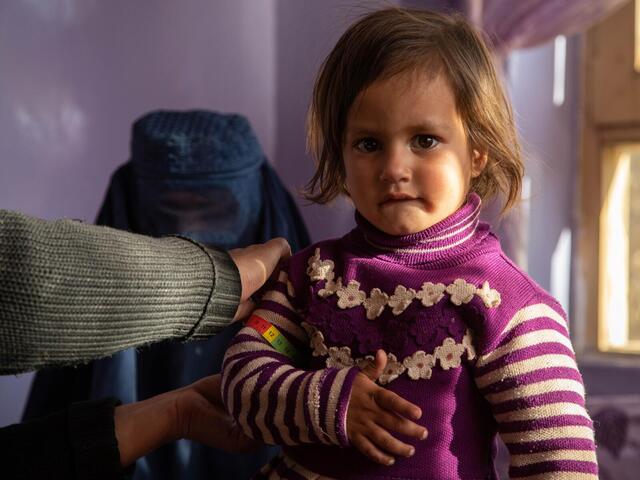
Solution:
(396, 197)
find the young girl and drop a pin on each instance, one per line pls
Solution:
(409, 120)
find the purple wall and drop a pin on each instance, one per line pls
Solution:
(76, 73)
(306, 32)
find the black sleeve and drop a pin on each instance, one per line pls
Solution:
(76, 443)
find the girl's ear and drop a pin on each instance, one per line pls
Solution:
(478, 162)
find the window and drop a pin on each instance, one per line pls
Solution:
(607, 266)
(619, 252)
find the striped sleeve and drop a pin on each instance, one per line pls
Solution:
(273, 400)
(536, 393)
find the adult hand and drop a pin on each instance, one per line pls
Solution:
(195, 412)
(201, 416)
(255, 264)
(374, 411)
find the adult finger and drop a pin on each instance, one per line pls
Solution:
(395, 403)
(244, 310)
(256, 263)
(210, 388)
(215, 428)
(369, 450)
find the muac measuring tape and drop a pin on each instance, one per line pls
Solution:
(273, 336)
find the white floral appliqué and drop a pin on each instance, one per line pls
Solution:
(392, 371)
(419, 365)
(489, 296)
(351, 295)
(364, 362)
(401, 299)
(316, 340)
(461, 291)
(449, 354)
(467, 343)
(339, 357)
(375, 303)
(330, 287)
(431, 293)
(319, 269)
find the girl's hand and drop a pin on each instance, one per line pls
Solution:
(375, 411)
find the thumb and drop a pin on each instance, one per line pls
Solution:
(244, 310)
(256, 263)
(273, 251)
(375, 368)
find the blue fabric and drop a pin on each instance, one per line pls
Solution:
(202, 175)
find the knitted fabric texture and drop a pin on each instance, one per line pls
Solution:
(72, 292)
(471, 340)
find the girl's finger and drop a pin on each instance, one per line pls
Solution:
(370, 451)
(398, 424)
(374, 369)
(394, 403)
(386, 442)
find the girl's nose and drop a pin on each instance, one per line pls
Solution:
(396, 165)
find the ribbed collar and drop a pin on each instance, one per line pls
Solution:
(446, 240)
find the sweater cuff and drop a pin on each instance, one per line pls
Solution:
(224, 297)
(335, 395)
(94, 445)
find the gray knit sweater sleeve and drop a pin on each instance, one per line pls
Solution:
(72, 292)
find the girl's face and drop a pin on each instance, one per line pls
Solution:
(407, 161)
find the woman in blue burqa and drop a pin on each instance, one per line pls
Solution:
(201, 175)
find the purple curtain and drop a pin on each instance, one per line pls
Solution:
(526, 23)
(513, 24)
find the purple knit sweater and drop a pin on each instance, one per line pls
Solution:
(471, 339)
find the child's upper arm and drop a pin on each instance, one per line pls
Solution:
(528, 373)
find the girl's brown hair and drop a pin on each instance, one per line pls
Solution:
(395, 40)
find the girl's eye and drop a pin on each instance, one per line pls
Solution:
(367, 145)
(424, 142)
